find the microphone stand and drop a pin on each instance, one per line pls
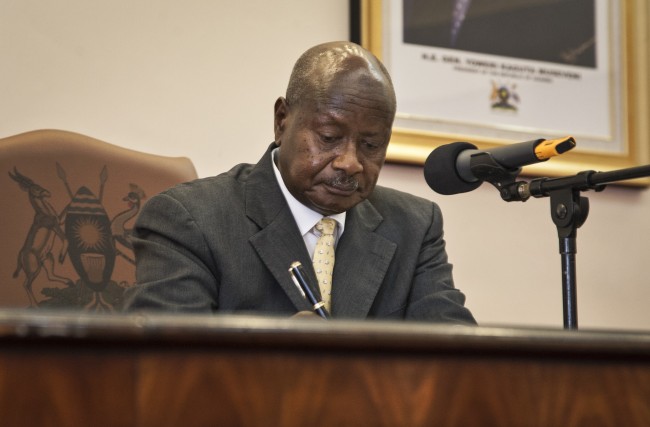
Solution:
(569, 210)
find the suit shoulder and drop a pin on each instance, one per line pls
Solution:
(233, 177)
(217, 187)
(404, 207)
(395, 198)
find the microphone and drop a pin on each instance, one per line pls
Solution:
(454, 168)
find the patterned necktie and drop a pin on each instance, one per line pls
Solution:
(324, 259)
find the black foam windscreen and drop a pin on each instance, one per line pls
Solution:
(441, 172)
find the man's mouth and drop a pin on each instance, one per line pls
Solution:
(346, 184)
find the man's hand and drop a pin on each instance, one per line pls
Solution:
(306, 315)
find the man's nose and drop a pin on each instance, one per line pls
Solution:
(348, 160)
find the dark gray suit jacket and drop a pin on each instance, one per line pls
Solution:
(225, 244)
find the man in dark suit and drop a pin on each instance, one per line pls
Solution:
(225, 243)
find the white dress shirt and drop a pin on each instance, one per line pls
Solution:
(305, 217)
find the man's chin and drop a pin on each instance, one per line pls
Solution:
(332, 207)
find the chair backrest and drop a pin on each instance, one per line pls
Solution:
(68, 206)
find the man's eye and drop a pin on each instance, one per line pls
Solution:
(372, 145)
(329, 138)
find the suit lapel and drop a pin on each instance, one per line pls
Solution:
(278, 243)
(279, 246)
(362, 259)
(362, 256)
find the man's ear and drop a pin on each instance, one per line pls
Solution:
(280, 113)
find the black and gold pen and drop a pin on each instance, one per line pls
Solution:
(300, 279)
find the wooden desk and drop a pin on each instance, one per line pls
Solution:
(59, 369)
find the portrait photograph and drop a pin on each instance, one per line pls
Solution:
(560, 31)
(495, 72)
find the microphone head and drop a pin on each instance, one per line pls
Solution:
(441, 171)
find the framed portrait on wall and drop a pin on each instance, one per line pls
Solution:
(495, 72)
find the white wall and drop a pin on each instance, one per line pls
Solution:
(199, 78)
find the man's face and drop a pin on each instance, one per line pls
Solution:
(332, 148)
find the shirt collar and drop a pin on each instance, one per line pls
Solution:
(305, 218)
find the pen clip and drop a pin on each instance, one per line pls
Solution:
(295, 282)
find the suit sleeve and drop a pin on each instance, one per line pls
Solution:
(433, 295)
(175, 269)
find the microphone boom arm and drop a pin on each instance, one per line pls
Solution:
(569, 210)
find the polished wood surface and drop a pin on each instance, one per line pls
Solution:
(59, 369)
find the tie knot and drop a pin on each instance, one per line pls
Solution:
(326, 225)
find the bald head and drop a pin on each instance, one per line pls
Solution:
(328, 64)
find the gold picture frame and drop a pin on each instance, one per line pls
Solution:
(412, 145)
